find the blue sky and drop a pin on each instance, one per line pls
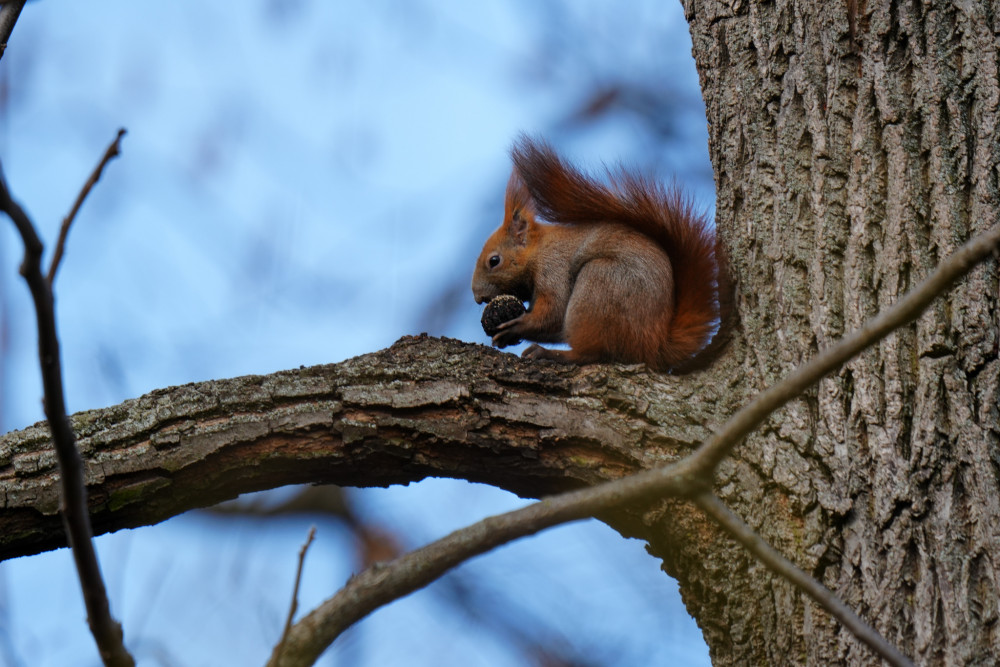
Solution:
(302, 182)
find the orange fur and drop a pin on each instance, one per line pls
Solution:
(629, 273)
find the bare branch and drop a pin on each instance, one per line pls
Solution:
(787, 570)
(295, 592)
(9, 12)
(382, 584)
(112, 152)
(76, 520)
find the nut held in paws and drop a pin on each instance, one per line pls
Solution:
(499, 310)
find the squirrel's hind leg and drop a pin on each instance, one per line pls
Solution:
(536, 351)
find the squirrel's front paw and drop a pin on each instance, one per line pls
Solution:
(508, 333)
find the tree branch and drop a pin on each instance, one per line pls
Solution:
(9, 13)
(112, 151)
(107, 632)
(293, 607)
(383, 583)
(423, 407)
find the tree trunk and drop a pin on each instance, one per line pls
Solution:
(855, 145)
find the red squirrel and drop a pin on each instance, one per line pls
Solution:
(628, 272)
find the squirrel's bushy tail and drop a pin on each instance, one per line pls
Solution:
(563, 194)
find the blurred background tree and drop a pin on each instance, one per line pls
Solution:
(302, 182)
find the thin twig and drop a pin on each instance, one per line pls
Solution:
(790, 572)
(294, 607)
(76, 519)
(112, 152)
(691, 476)
(9, 12)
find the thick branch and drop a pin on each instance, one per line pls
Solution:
(423, 407)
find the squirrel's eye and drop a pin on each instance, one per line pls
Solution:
(494, 260)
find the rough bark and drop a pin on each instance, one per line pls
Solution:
(422, 407)
(854, 145)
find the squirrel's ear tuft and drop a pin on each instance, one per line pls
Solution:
(519, 211)
(520, 222)
(518, 199)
